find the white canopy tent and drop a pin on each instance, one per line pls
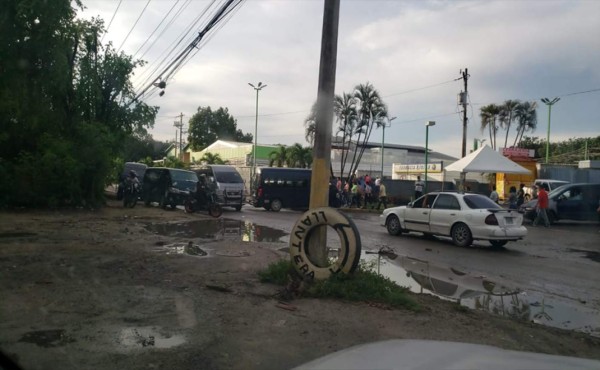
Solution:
(486, 160)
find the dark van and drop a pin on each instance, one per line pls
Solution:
(276, 188)
(569, 202)
(167, 186)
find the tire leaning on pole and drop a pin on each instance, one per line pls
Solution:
(350, 244)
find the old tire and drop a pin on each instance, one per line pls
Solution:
(350, 244)
(461, 235)
(393, 225)
(496, 244)
(276, 205)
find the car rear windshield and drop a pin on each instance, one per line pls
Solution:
(475, 201)
(229, 177)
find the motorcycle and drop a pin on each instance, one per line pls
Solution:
(203, 199)
(131, 192)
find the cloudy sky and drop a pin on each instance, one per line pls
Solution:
(411, 51)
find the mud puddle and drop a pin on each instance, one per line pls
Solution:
(219, 229)
(592, 255)
(47, 338)
(480, 293)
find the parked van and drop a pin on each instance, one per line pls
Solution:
(276, 188)
(167, 186)
(227, 183)
(569, 202)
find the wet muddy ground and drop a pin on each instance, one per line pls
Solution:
(146, 288)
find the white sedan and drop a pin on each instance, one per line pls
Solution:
(463, 217)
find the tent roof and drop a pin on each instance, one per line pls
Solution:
(487, 160)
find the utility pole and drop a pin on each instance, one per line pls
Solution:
(463, 100)
(179, 125)
(319, 196)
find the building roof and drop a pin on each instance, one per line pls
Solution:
(336, 144)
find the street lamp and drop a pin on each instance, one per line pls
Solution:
(383, 140)
(549, 103)
(427, 124)
(259, 87)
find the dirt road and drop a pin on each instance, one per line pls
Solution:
(98, 289)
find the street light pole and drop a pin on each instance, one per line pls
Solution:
(549, 103)
(427, 124)
(389, 124)
(259, 87)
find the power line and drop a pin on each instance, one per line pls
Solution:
(136, 22)
(155, 29)
(111, 20)
(580, 92)
(421, 88)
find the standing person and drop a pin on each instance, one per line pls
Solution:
(494, 194)
(368, 194)
(419, 187)
(355, 199)
(383, 196)
(542, 206)
(521, 195)
(512, 198)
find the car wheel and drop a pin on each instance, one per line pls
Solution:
(498, 243)
(461, 235)
(393, 225)
(276, 205)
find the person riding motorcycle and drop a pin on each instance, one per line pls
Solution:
(133, 179)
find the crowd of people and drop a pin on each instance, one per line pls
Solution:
(360, 192)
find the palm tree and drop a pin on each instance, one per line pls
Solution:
(489, 114)
(346, 115)
(210, 158)
(508, 115)
(300, 157)
(310, 122)
(372, 112)
(279, 156)
(526, 116)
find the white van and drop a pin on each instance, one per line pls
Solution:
(227, 182)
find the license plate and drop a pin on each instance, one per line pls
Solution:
(509, 220)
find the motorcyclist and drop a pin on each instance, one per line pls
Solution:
(133, 179)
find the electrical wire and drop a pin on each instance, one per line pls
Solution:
(171, 49)
(111, 20)
(175, 16)
(422, 88)
(136, 22)
(580, 92)
(155, 29)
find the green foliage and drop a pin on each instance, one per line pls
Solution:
(567, 151)
(364, 285)
(63, 109)
(174, 162)
(277, 272)
(210, 158)
(208, 126)
(357, 115)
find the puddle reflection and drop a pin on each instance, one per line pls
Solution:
(482, 294)
(219, 229)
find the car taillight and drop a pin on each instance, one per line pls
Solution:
(259, 192)
(491, 220)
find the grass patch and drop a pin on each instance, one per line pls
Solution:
(365, 285)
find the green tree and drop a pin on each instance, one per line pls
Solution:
(281, 157)
(64, 108)
(211, 158)
(299, 156)
(207, 126)
(526, 116)
(344, 108)
(489, 116)
(507, 115)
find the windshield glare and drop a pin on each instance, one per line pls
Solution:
(229, 177)
(183, 176)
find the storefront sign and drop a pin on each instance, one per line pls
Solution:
(435, 167)
(517, 152)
